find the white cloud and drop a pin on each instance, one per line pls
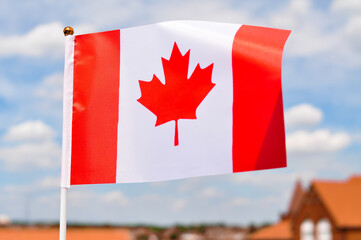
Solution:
(45, 39)
(314, 32)
(51, 88)
(318, 34)
(308, 41)
(178, 205)
(50, 200)
(31, 155)
(211, 10)
(30, 145)
(7, 90)
(30, 131)
(240, 201)
(188, 185)
(291, 14)
(353, 31)
(267, 200)
(356, 138)
(303, 115)
(110, 12)
(47, 95)
(308, 36)
(210, 192)
(271, 178)
(113, 13)
(78, 197)
(348, 6)
(48, 183)
(319, 141)
(116, 197)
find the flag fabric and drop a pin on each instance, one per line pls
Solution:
(172, 100)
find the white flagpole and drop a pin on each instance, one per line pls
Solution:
(62, 228)
(63, 190)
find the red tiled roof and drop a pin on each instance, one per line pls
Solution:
(279, 231)
(342, 199)
(72, 233)
(296, 197)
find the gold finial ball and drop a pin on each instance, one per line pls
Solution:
(68, 31)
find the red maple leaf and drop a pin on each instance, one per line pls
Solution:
(179, 97)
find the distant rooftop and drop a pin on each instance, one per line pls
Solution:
(342, 199)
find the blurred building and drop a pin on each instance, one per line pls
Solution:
(328, 210)
(190, 233)
(4, 220)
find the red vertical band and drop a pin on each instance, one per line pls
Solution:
(95, 108)
(258, 125)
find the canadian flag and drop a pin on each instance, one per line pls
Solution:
(172, 100)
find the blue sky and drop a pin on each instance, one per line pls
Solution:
(321, 85)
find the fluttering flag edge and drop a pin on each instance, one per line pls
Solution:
(67, 111)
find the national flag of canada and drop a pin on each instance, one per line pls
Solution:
(172, 100)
